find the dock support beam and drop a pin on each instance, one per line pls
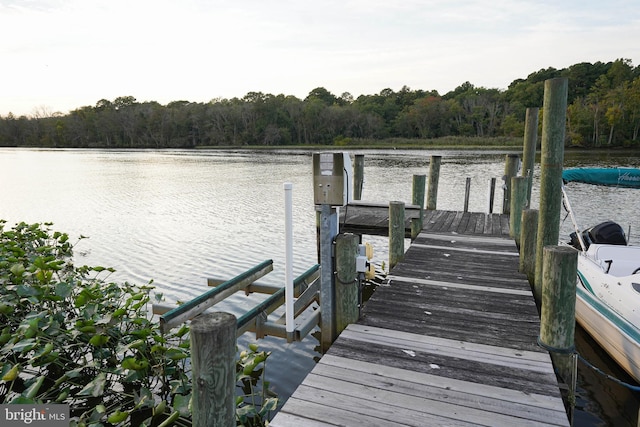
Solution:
(358, 176)
(434, 176)
(519, 186)
(396, 233)
(528, 241)
(213, 354)
(558, 315)
(551, 163)
(347, 310)
(467, 194)
(510, 170)
(529, 150)
(328, 231)
(417, 198)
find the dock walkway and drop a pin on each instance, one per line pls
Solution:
(449, 341)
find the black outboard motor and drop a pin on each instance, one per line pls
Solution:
(607, 232)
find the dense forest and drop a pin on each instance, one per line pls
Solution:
(603, 111)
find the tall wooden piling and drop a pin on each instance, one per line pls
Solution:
(528, 241)
(432, 184)
(396, 233)
(551, 163)
(529, 150)
(417, 198)
(510, 170)
(347, 310)
(557, 318)
(519, 186)
(213, 355)
(358, 176)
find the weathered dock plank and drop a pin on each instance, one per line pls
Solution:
(451, 339)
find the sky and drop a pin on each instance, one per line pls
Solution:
(59, 55)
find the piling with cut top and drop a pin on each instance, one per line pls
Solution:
(551, 163)
(358, 176)
(213, 352)
(346, 286)
(558, 311)
(529, 149)
(519, 186)
(432, 183)
(417, 198)
(491, 195)
(467, 191)
(396, 233)
(510, 170)
(528, 241)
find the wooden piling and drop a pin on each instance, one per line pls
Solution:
(551, 164)
(328, 221)
(358, 176)
(529, 150)
(467, 190)
(557, 319)
(346, 285)
(434, 176)
(510, 170)
(519, 187)
(396, 233)
(528, 241)
(417, 198)
(492, 192)
(213, 352)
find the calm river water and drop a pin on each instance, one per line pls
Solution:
(178, 217)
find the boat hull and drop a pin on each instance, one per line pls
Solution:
(615, 335)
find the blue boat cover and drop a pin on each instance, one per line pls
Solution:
(616, 177)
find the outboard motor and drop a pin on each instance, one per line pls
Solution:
(608, 232)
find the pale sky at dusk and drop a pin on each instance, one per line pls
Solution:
(58, 55)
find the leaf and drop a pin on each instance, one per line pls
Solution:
(96, 387)
(268, 405)
(33, 389)
(12, 374)
(63, 290)
(27, 291)
(99, 340)
(181, 404)
(17, 270)
(24, 345)
(21, 400)
(118, 417)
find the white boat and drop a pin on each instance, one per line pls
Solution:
(608, 291)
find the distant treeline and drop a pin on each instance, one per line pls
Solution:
(603, 111)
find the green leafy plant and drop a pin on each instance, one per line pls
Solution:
(71, 336)
(255, 401)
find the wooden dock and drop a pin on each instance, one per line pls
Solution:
(450, 340)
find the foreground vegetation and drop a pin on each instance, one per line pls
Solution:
(603, 111)
(70, 336)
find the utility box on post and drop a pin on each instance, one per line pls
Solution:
(332, 176)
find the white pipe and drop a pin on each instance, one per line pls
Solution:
(288, 226)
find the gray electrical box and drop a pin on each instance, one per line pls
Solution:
(332, 175)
